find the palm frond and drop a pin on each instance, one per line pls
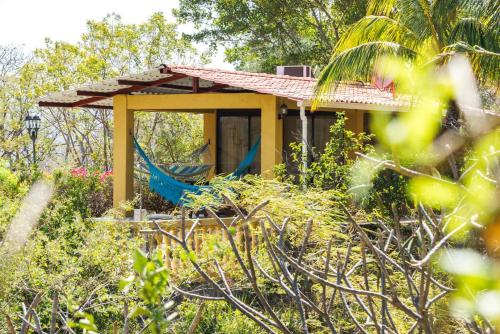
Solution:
(414, 14)
(477, 8)
(485, 63)
(381, 7)
(444, 13)
(469, 30)
(356, 64)
(377, 28)
(486, 66)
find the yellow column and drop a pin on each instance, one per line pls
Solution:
(123, 151)
(272, 135)
(210, 136)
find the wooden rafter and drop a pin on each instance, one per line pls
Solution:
(155, 83)
(196, 84)
(71, 105)
(215, 87)
(135, 87)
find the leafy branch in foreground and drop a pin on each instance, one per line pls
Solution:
(363, 282)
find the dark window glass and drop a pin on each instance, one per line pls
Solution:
(236, 134)
(318, 128)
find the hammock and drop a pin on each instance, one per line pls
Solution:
(189, 172)
(196, 154)
(186, 172)
(174, 190)
(247, 162)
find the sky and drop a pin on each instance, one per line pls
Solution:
(29, 22)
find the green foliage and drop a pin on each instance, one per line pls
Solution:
(285, 200)
(77, 258)
(87, 192)
(468, 199)
(172, 136)
(12, 190)
(420, 32)
(217, 317)
(389, 189)
(258, 35)
(331, 168)
(151, 281)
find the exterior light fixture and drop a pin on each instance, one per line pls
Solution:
(283, 111)
(32, 124)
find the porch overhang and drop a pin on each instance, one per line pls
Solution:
(190, 80)
(329, 105)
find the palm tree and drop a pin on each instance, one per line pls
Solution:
(419, 31)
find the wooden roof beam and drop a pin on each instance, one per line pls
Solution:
(97, 96)
(151, 83)
(196, 84)
(70, 105)
(215, 87)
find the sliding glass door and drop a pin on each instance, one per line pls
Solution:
(237, 131)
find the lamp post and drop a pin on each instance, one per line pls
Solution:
(32, 124)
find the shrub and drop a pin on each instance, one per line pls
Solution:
(87, 192)
(79, 259)
(217, 317)
(12, 190)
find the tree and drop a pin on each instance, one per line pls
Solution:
(12, 105)
(418, 31)
(108, 48)
(262, 34)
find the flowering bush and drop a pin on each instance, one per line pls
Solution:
(90, 192)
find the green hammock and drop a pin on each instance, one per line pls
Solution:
(174, 190)
(189, 172)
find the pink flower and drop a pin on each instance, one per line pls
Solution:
(79, 172)
(105, 175)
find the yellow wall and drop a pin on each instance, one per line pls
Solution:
(271, 134)
(210, 136)
(123, 151)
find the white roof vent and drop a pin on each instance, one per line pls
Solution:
(295, 71)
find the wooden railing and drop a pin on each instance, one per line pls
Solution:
(206, 229)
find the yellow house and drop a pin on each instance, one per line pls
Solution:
(237, 107)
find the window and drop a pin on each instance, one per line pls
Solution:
(318, 129)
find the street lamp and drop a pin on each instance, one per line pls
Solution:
(32, 124)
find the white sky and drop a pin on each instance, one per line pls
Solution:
(29, 22)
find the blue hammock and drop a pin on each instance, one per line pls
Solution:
(175, 191)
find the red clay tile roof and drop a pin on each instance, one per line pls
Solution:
(177, 79)
(294, 88)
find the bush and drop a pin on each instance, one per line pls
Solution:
(88, 192)
(12, 190)
(217, 317)
(79, 259)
